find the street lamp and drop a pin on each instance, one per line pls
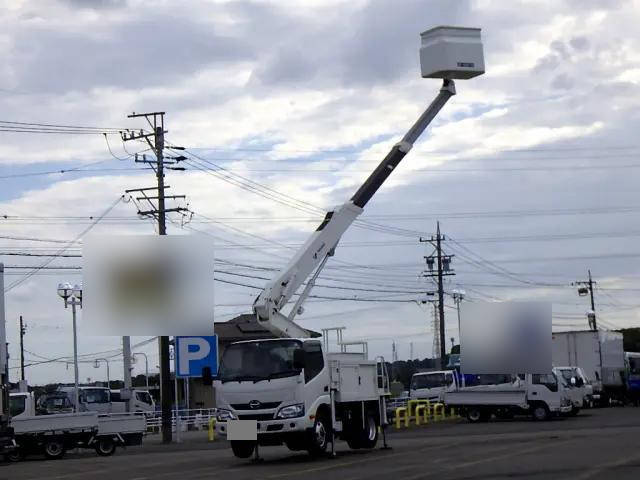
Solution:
(146, 366)
(458, 296)
(96, 364)
(72, 295)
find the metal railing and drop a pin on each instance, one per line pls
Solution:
(191, 419)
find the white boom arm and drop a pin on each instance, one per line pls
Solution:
(322, 243)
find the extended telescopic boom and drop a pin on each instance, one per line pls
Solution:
(321, 245)
(447, 53)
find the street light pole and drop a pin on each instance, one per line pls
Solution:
(75, 357)
(73, 295)
(108, 375)
(146, 367)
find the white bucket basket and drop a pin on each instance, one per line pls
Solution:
(451, 52)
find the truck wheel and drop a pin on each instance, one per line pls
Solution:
(105, 447)
(540, 412)
(475, 415)
(15, 455)
(318, 437)
(243, 448)
(54, 449)
(369, 436)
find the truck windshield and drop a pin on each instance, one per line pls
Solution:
(96, 395)
(17, 405)
(428, 381)
(257, 361)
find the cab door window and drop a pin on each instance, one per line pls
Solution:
(548, 380)
(313, 360)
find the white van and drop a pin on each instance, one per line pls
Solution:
(431, 385)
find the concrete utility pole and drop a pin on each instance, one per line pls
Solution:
(584, 288)
(156, 122)
(442, 263)
(23, 330)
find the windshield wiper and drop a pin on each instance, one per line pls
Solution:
(240, 378)
(282, 374)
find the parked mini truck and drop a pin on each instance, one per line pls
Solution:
(52, 435)
(539, 396)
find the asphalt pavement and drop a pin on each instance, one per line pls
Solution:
(597, 443)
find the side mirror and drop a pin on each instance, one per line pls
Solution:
(573, 381)
(298, 359)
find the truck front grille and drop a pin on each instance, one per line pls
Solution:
(263, 406)
(256, 416)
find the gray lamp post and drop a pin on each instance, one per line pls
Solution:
(72, 295)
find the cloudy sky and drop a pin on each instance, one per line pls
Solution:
(531, 168)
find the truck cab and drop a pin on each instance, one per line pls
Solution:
(141, 401)
(431, 385)
(22, 404)
(288, 387)
(576, 386)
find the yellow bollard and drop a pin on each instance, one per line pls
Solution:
(212, 429)
(438, 407)
(421, 411)
(404, 417)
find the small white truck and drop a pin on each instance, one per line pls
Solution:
(53, 435)
(539, 396)
(431, 385)
(293, 391)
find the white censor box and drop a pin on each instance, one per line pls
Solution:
(148, 285)
(451, 52)
(242, 430)
(505, 337)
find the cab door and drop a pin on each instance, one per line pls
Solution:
(545, 388)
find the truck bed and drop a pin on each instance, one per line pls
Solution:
(121, 423)
(63, 422)
(492, 396)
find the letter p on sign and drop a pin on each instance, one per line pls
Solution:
(195, 353)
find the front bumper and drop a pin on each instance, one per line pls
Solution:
(288, 425)
(566, 408)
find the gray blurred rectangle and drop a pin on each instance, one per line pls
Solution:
(505, 337)
(242, 430)
(138, 285)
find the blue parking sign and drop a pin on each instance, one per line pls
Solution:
(195, 353)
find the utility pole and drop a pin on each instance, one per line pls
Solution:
(23, 330)
(586, 287)
(443, 269)
(155, 140)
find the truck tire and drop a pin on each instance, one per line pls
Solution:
(54, 449)
(539, 412)
(15, 455)
(319, 437)
(105, 447)
(364, 438)
(243, 448)
(477, 415)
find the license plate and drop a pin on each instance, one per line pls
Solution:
(242, 430)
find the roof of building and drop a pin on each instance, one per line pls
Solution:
(245, 327)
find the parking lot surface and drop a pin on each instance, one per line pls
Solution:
(597, 443)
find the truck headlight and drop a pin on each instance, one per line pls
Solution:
(223, 415)
(291, 411)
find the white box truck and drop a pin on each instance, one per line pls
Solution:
(600, 354)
